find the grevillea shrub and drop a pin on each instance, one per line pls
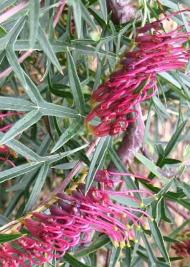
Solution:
(94, 133)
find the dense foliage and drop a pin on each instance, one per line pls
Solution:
(94, 133)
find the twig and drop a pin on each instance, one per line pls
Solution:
(6, 72)
(76, 168)
(12, 11)
(59, 12)
(132, 140)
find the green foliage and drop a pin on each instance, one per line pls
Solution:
(50, 88)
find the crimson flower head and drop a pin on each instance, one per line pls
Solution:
(72, 221)
(136, 80)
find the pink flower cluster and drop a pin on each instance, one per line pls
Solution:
(136, 81)
(71, 222)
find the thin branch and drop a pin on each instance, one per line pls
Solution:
(59, 12)
(13, 11)
(132, 140)
(76, 168)
(6, 72)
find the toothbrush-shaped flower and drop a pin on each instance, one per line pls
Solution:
(136, 80)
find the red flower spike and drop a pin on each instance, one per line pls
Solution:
(136, 81)
(72, 221)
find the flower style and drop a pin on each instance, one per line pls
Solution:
(110, 177)
(71, 222)
(136, 80)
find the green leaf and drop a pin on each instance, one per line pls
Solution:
(32, 90)
(75, 84)
(86, 16)
(125, 201)
(39, 182)
(58, 47)
(56, 157)
(159, 240)
(17, 171)
(34, 7)
(169, 77)
(77, 13)
(81, 155)
(164, 212)
(97, 160)
(13, 61)
(98, 18)
(149, 250)
(13, 34)
(24, 123)
(50, 109)
(2, 32)
(186, 2)
(29, 86)
(162, 160)
(133, 255)
(167, 161)
(97, 244)
(69, 133)
(6, 3)
(165, 188)
(15, 103)
(103, 8)
(169, 4)
(165, 238)
(160, 107)
(115, 255)
(73, 261)
(22, 149)
(25, 180)
(11, 57)
(184, 186)
(65, 166)
(150, 165)
(171, 144)
(47, 48)
(184, 78)
(9, 237)
(3, 43)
